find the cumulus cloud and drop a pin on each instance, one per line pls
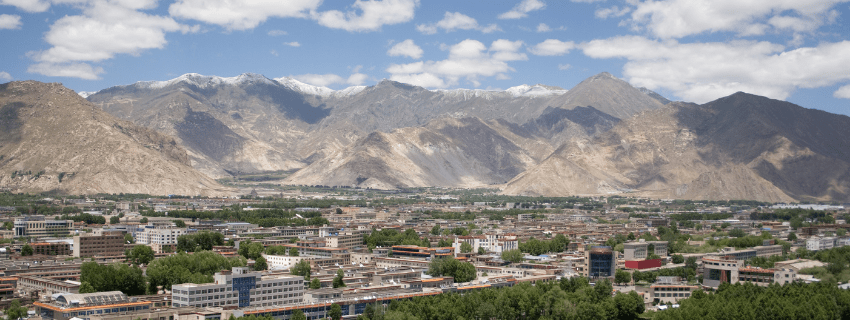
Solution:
(105, 28)
(701, 72)
(9, 21)
(28, 5)
(564, 66)
(406, 48)
(292, 44)
(522, 9)
(843, 92)
(605, 13)
(469, 60)
(275, 33)
(542, 27)
(372, 15)
(324, 80)
(5, 76)
(552, 47)
(240, 15)
(679, 18)
(456, 21)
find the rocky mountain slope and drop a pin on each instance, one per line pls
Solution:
(738, 147)
(253, 124)
(51, 139)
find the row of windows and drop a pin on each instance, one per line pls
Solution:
(673, 295)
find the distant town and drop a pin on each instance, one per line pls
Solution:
(344, 253)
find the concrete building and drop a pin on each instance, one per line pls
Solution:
(84, 306)
(344, 241)
(160, 236)
(491, 242)
(717, 271)
(601, 262)
(816, 243)
(107, 244)
(240, 288)
(670, 290)
(51, 248)
(38, 226)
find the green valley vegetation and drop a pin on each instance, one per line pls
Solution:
(391, 237)
(113, 277)
(198, 267)
(537, 247)
(572, 298)
(270, 217)
(461, 271)
(200, 241)
(748, 301)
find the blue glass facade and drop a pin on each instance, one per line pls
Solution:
(243, 286)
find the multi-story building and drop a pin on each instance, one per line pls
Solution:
(601, 262)
(65, 306)
(491, 242)
(815, 243)
(57, 248)
(642, 249)
(38, 226)
(717, 271)
(106, 244)
(240, 288)
(344, 241)
(670, 290)
(161, 236)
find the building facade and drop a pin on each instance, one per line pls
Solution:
(240, 288)
(38, 226)
(107, 244)
(601, 262)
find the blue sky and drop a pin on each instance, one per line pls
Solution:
(691, 50)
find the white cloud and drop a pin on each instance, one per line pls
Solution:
(702, 72)
(605, 13)
(275, 33)
(28, 5)
(522, 9)
(274, 53)
(292, 44)
(456, 21)
(71, 70)
(588, 1)
(5, 76)
(564, 66)
(406, 48)
(374, 14)
(357, 79)
(105, 28)
(552, 47)
(9, 21)
(843, 92)
(679, 18)
(468, 60)
(241, 15)
(542, 27)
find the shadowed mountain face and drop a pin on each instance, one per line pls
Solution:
(738, 147)
(51, 139)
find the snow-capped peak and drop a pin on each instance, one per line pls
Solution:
(302, 87)
(203, 81)
(86, 94)
(536, 90)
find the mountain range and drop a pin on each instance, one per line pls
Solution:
(601, 137)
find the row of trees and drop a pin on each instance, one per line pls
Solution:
(461, 271)
(391, 237)
(537, 247)
(200, 241)
(263, 217)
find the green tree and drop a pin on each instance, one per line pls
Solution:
(737, 233)
(336, 312)
(622, 276)
(140, 254)
(251, 250)
(514, 255)
(128, 238)
(198, 267)
(8, 225)
(459, 270)
(481, 250)
(26, 250)
(86, 287)
(792, 236)
(678, 258)
(435, 230)
(302, 268)
(338, 211)
(465, 247)
(260, 264)
(179, 223)
(15, 310)
(143, 220)
(203, 240)
(293, 252)
(315, 284)
(338, 279)
(691, 262)
(297, 314)
(114, 220)
(444, 243)
(114, 277)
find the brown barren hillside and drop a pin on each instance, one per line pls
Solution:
(51, 139)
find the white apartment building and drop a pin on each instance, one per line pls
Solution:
(240, 288)
(815, 244)
(491, 242)
(39, 226)
(159, 236)
(282, 262)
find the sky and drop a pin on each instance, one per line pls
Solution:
(688, 50)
